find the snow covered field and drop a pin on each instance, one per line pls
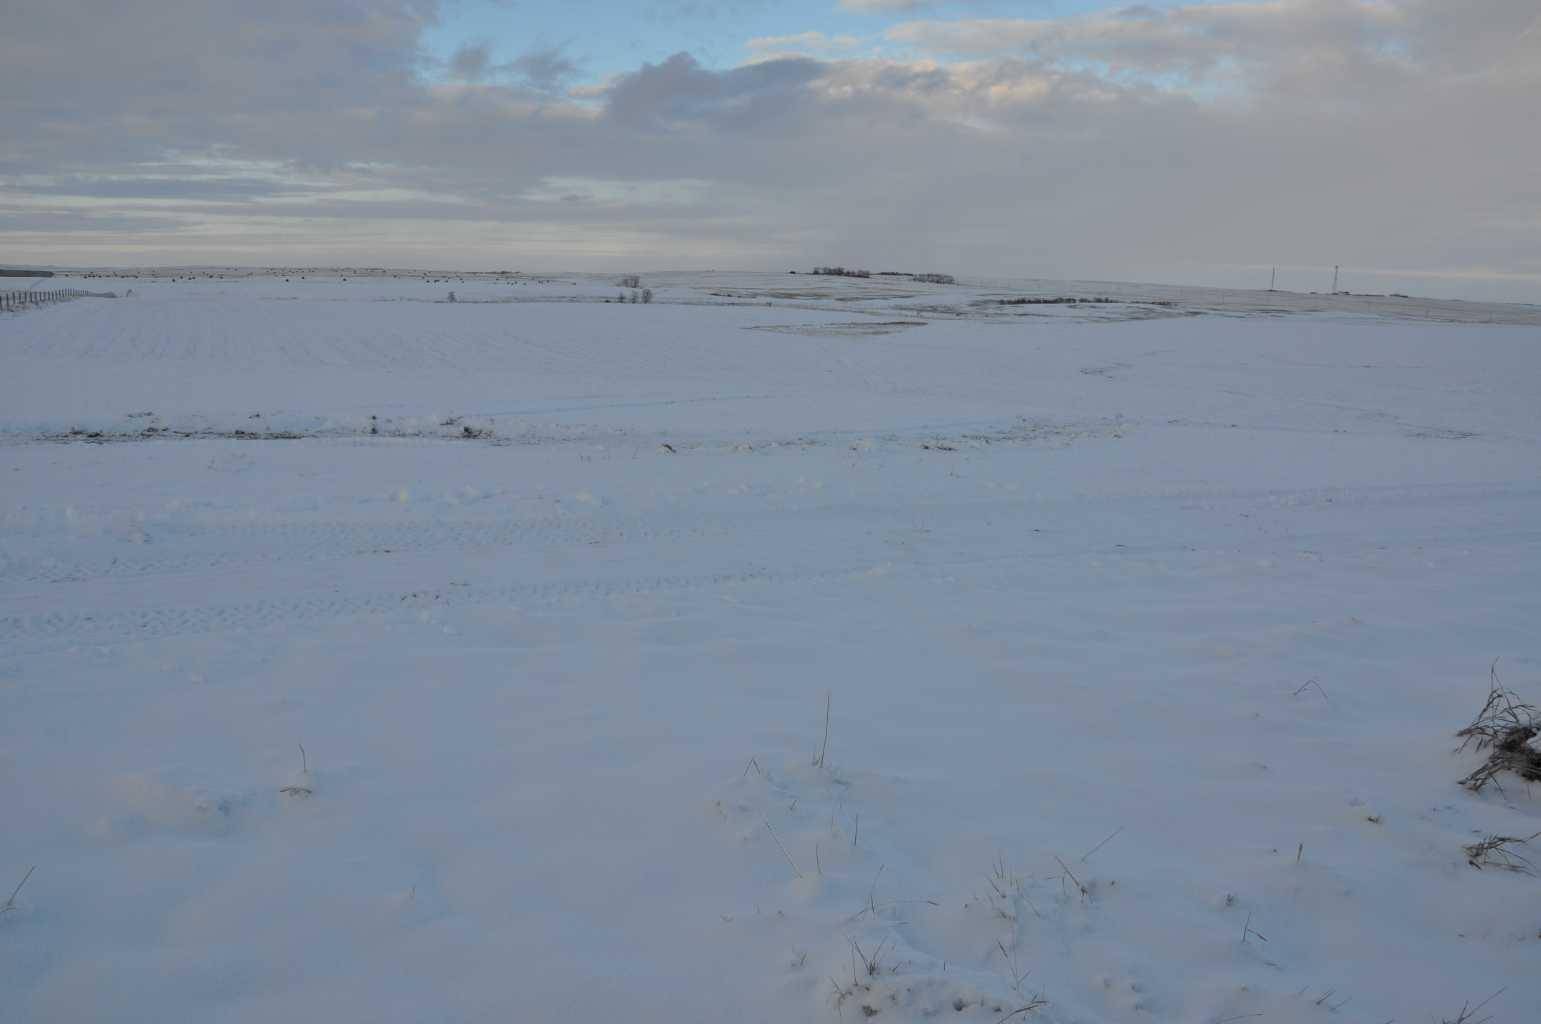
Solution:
(553, 592)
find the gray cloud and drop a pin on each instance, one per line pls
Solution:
(183, 187)
(546, 70)
(680, 90)
(471, 62)
(1194, 143)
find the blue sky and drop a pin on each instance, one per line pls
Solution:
(606, 37)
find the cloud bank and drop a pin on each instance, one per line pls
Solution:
(1205, 143)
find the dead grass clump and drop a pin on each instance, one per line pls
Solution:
(1499, 852)
(1504, 728)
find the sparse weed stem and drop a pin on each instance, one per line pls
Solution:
(10, 904)
(1468, 1014)
(874, 963)
(872, 891)
(1085, 892)
(818, 762)
(1310, 683)
(1006, 888)
(1033, 1005)
(301, 788)
(1017, 976)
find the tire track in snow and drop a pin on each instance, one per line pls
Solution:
(19, 634)
(281, 543)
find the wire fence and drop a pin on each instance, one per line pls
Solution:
(15, 300)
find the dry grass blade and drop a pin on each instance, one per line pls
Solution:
(1498, 852)
(779, 843)
(1100, 845)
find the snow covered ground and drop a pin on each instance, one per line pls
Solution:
(553, 591)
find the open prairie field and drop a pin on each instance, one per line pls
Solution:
(787, 648)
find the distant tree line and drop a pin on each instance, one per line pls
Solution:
(1067, 300)
(1054, 301)
(849, 272)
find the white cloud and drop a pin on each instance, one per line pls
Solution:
(1193, 40)
(885, 6)
(803, 43)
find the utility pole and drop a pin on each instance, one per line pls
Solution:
(1334, 279)
(1273, 278)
